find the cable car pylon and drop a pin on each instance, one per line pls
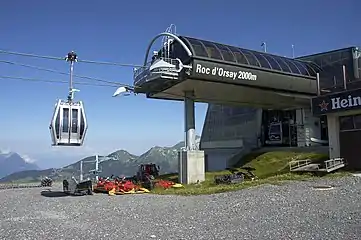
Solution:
(69, 125)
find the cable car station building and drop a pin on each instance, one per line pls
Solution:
(254, 99)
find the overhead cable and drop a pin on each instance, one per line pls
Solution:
(65, 73)
(62, 58)
(55, 81)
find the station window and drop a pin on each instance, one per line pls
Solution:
(227, 54)
(357, 121)
(240, 57)
(302, 68)
(198, 48)
(273, 62)
(283, 64)
(346, 123)
(250, 57)
(264, 63)
(292, 66)
(212, 50)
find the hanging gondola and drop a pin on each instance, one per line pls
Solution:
(69, 125)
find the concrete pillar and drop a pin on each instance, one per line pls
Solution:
(308, 127)
(191, 165)
(189, 121)
(333, 125)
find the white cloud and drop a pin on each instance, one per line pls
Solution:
(27, 158)
(5, 151)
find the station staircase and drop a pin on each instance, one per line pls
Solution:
(306, 165)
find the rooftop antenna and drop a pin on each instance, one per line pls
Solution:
(264, 46)
(293, 51)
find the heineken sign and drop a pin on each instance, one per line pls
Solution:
(348, 100)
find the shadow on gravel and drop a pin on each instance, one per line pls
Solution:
(53, 194)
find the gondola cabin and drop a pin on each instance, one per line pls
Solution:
(68, 126)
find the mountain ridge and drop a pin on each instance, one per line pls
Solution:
(122, 163)
(11, 162)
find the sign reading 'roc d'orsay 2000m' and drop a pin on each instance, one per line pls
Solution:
(223, 73)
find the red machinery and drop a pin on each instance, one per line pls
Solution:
(118, 185)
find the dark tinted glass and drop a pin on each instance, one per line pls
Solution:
(82, 125)
(312, 69)
(57, 124)
(212, 50)
(250, 57)
(357, 121)
(198, 47)
(226, 52)
(283, 64)
(346, 123)
(273, 62)
(302, 68)
(293, 67)
(239, 55)
(177, 51)
(65, 119)
(264, 63)
(74, 120)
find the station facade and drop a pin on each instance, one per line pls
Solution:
(255, 99)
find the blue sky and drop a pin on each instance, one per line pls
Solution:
(119, 31)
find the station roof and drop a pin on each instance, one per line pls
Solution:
(218, 51)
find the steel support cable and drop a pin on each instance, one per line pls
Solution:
(62, 59)
(67, 74)
(55, 81)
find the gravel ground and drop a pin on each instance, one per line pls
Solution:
(292, 211)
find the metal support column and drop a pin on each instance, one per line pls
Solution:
(97, 167)
(81, 171)
(189, 121)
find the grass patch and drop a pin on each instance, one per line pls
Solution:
(271, 168)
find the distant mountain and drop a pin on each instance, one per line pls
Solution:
(122, 163)
(12, 162)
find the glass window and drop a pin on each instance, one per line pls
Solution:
(250, 57)
(226, 52)
(212, 50)
(239, 55)
(57, 125)
(312, 69)
(273, 62)
(357, 121)
(283, 64)
(198, 48)
(74, 120)
(302, 68)
(264, 63)
(65, 119)
(292, 66)
(177, 51)
(346, 123)
(82, 125)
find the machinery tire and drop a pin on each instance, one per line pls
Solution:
(65, 186)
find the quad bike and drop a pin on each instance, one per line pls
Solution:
(46, 182)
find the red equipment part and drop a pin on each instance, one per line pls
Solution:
(164, 184)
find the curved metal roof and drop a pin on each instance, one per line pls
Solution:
(212, 50)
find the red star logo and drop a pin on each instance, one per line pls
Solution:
(323, 106)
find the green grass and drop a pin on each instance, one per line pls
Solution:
(271, 168)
